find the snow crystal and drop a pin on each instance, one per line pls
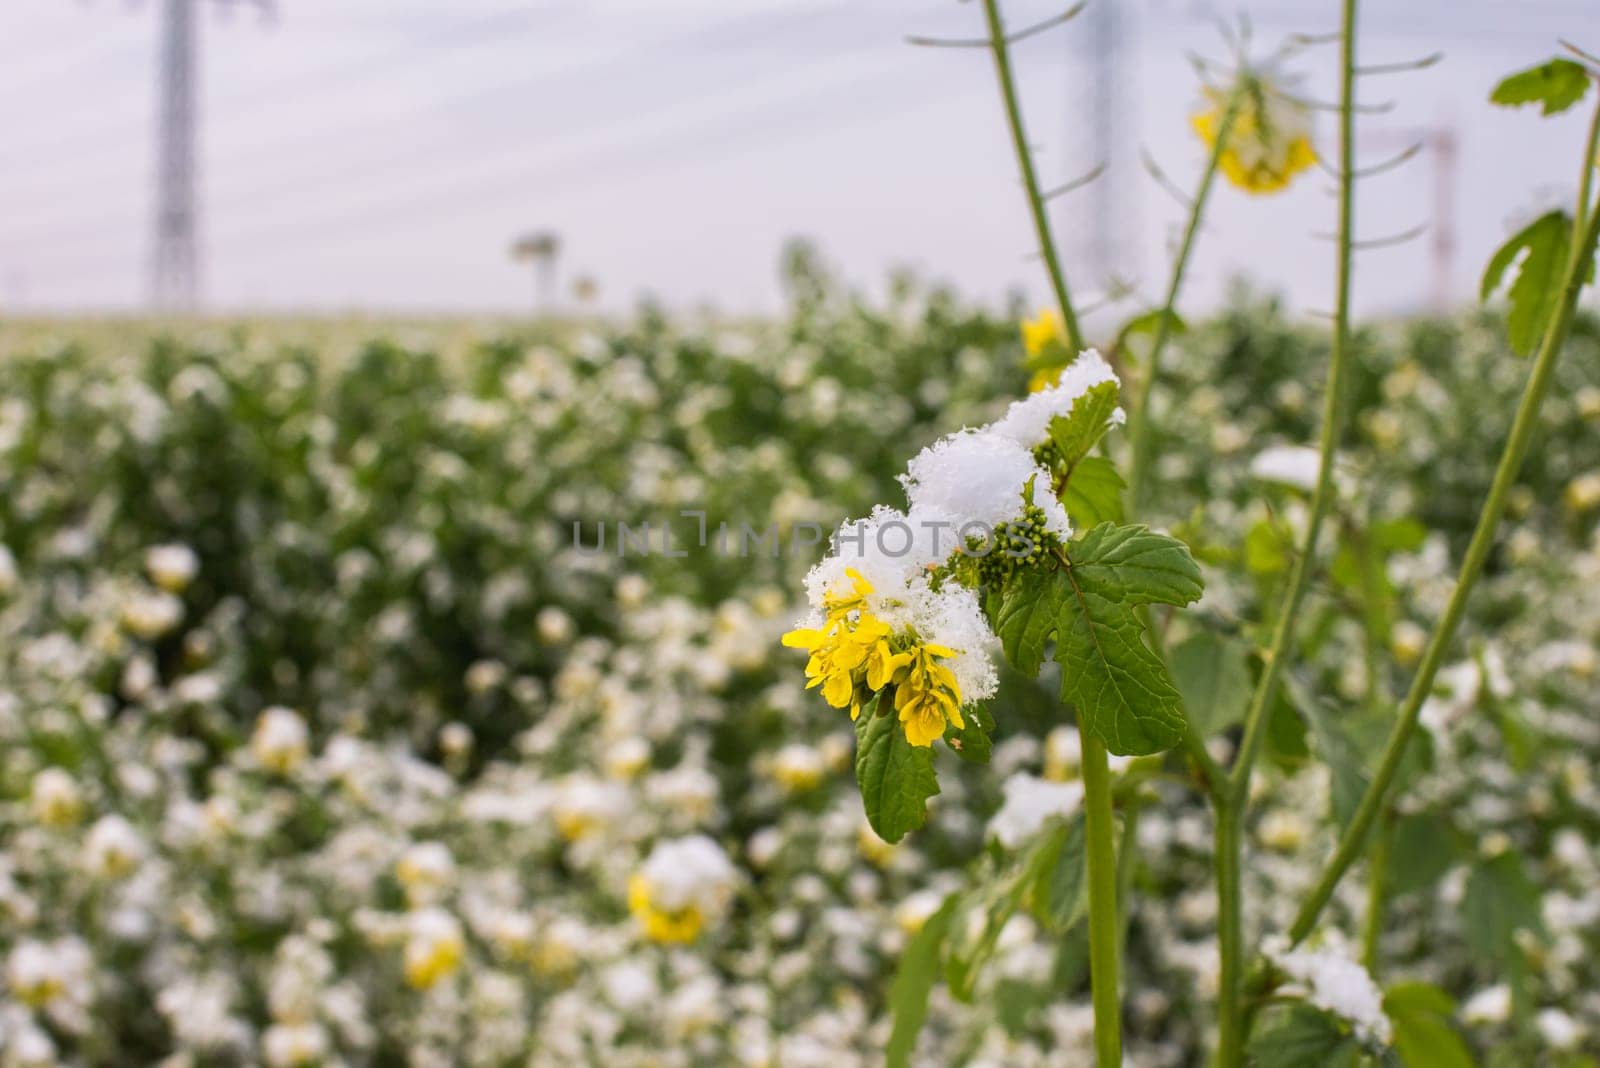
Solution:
(1338, 985)
(973, 476)
(1027, 421)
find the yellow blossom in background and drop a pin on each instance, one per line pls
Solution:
(873, 848)
(1270, 140)
(682, 885)
(662, 925)
(434, 949)
(1039, 335)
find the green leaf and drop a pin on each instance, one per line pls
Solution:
(1535, 293)
(999, 900)
(1424, 849)
(1118, 684)
(1556, 85)
(1286, 733)
(1027, 617)
(1339, 745)
(1058, 897)
(971, 742)
(1500, 900)
(1293, 1036)
(913, 982)
(1148, 323)
(1093, 494)
(1423, 1035)
(1080, 429)
(1212, 673)
(896, 777)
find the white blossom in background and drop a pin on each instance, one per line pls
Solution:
(281, 741)
(1029, 802)
(171, 567)
(1288, 465)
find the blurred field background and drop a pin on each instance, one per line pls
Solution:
(320, 743)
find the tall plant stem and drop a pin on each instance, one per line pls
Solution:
(1105, 925)
(1377, 889)
(1105, 928)
(1230, 815)
(1230, 938)
(1140, 464)
(1030, 177)
(1353, 841)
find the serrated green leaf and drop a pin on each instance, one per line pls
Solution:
(972, 742)
(1027, 617)
(1093, 494)
(1500, 900)
(1075, 433)
(1556, 85)
(1543, 246)
(1118, 684)
(896, 777)
(1423, 1035)
(1212, 673)
(913, 982)
(1293, 1036)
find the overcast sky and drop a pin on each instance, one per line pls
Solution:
(382, 154)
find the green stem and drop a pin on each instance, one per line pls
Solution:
(1586, 179)
(1373, 800)
(1230, 938)
(1140, 462)
(1030, 177)
(1322, 497)
(1230, 815)
(1377, 887)
(1105, 929)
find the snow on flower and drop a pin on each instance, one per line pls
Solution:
(684, 884)
(1335, 983)
(1027, 421)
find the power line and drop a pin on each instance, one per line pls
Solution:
(744, 30)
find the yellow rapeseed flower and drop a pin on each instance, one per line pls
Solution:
(1270, 140)
(662, 925)
(1039, 335)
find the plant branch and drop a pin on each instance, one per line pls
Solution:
(1352, 842)
(1139, 466)
(1030, 177)
(1230, 814)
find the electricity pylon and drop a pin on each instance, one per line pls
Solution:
(175, 259)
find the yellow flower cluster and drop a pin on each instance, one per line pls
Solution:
(662, 925)
(1269, 142)
(855, 655)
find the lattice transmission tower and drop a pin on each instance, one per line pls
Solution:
(1102, 219)
(175, 255)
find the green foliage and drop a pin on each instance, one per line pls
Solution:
(896, 777)
(1555, 85)
(1115, 680)
(1093, 493)
(1297, 1035)
(913, 982)
(1212, 673)
(972, 742)
(1544, 246)
(1423, 1034)
(1075, 433)
(1047, 878)
(1500, 901)
(1118, 684)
